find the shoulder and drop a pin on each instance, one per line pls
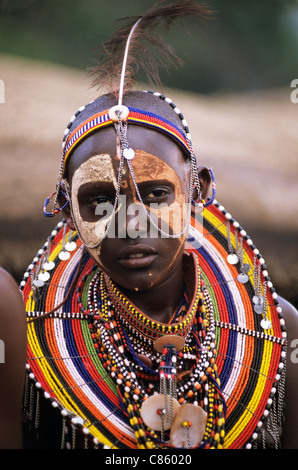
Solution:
(9, 291)
(12, 311)
(290, 314)
(12, 360)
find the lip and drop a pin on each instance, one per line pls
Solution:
(130, 257)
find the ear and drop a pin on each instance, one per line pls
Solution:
(65, 209)
(205, 183)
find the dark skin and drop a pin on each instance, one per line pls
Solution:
(161, 281)
(167, 293)
(12, 371)
(164, 292)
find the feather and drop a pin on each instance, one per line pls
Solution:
(133, 45)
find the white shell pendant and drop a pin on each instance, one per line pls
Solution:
(188, 427)
(128, 153)
(153, 411)
(118, 112)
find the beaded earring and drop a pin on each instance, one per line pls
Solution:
(56, 209)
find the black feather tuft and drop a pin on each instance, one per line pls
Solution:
(147, 49)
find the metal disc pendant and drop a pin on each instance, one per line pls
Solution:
(153, 411)
(242, 278)
(232, 258)
(64, 255)
(258, 308)
(49, 265)
(38, 283)
(266, 324)
(44, 276)
(169, 340)
(258, 299)
(246, 268)
(70, 246)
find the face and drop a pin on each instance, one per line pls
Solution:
(133, 253)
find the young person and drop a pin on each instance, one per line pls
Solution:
(152, 319)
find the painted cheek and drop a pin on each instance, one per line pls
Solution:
(171, 217)
(96, 168)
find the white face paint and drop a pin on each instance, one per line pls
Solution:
(96, 169)
(92, 222)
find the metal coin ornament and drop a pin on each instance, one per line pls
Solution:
(232, 258)
(258, 299)
(49, 265)
(154, 411)
(266, 324)
(246, 268)
(44, 276)
(242, 278)
(64, 255)
(70, 246)
(38, 282)
(259, 308)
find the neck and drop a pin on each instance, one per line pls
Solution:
(160, 302)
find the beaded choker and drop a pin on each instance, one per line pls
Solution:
(137, 381)
(87, 357)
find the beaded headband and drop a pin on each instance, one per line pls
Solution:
(135, 116)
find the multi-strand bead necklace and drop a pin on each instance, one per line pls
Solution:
(182, 370)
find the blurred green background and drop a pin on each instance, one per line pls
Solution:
(249, 45)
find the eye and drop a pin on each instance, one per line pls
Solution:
(157, 193)
(96, 201)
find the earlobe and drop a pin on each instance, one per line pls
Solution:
(202, 189)
(68, 219)
(205, 181)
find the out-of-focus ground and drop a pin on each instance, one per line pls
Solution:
(249, 139)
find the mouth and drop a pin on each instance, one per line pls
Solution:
(136, 256)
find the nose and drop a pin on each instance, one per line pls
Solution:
(131, 219)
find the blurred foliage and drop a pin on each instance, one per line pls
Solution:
(248, 45)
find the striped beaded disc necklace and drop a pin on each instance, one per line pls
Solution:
(94, 357)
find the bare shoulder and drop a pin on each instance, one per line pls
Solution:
(12, 360)
(290, 437)
(10, 296)
(290, 314)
